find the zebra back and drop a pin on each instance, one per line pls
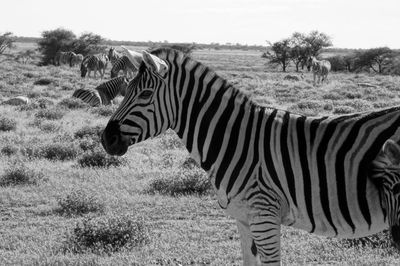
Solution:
(124, 64)
(110, 89)
(89, 96)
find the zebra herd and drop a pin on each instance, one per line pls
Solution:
(335, 176)
(106, 91)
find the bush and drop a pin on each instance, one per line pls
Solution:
(19, 174)
(79, 202)
(104, 110)
(49, 126)
(182, 182)
(59, 151)
(7, 124)
(51, 114)
(343, 110)
(9, 149)
(108, 234)
(52, 151)
(43, 81)
(73, 103)
(89, 131)
(100, 159)
(89, 144)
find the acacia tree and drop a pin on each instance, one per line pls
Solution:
(378, 59)
(315, 41)
(279, 53)
(87, 43)
(6, 41)
(53, 41)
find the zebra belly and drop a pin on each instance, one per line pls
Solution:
(299, 219)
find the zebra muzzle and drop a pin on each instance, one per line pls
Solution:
(112, 140)
(395, 232)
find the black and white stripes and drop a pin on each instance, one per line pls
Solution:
(268, 166)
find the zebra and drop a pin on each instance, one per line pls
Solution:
(96, 63)
(124, 64)
(268, 166)
(113, 55)
(319, 68)
(104, 93)
(77, 59)
(64, 58)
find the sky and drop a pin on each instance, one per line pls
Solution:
(350, 23)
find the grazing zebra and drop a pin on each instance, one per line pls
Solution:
(113, 55)
(124, 64)
(104, 93)
(319, 68)
(335, 176)
(77, 59)
(94, 63)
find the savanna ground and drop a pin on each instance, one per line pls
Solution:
(63, 201)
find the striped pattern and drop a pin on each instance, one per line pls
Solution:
(104, 93)
(89, 96)
(113, 55)
(125, 65)
(320, 69)
(64, 58)
(96, 63)
(268, 166)
(76, 59)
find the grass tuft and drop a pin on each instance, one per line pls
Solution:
(106, 234)
(89, 131)
(99, 158)
(7, 124)
(79, 202)
(19, 174)
(51, 114)
(73, 103)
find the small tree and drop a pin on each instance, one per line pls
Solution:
(378, 59)
(315, 41)
(6, 41)
(87, 43)
(280, 54)
(54, 41)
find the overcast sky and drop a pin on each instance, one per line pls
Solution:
(350, 23)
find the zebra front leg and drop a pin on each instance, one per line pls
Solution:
(265, 227)
(249, 250)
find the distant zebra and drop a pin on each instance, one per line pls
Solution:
(77, 59)
(337, 176)
(64, 58)
(319, 68)
(96, 63)
(113, 55)
(104, 93)
(124, 64)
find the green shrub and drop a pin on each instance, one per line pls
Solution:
(89, 131)
(89, 144)
(7, 124)
(9, 149)
(19, 174)
(73, 103)
(106, 234)
(181, 182)
(79, 202)
(99, 158)
(51, 114)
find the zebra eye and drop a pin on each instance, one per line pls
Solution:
(146, 94)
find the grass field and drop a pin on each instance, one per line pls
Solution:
(51, 201)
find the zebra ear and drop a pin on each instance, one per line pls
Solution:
(154, 63)
(392, 151)
(135, 57)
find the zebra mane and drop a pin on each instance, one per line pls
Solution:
(165, 53)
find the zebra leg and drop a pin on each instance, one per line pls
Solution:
(249, 250)
(265, 227)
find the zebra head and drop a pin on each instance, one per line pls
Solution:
(386, 175)
(145, 110)
(84, 68)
